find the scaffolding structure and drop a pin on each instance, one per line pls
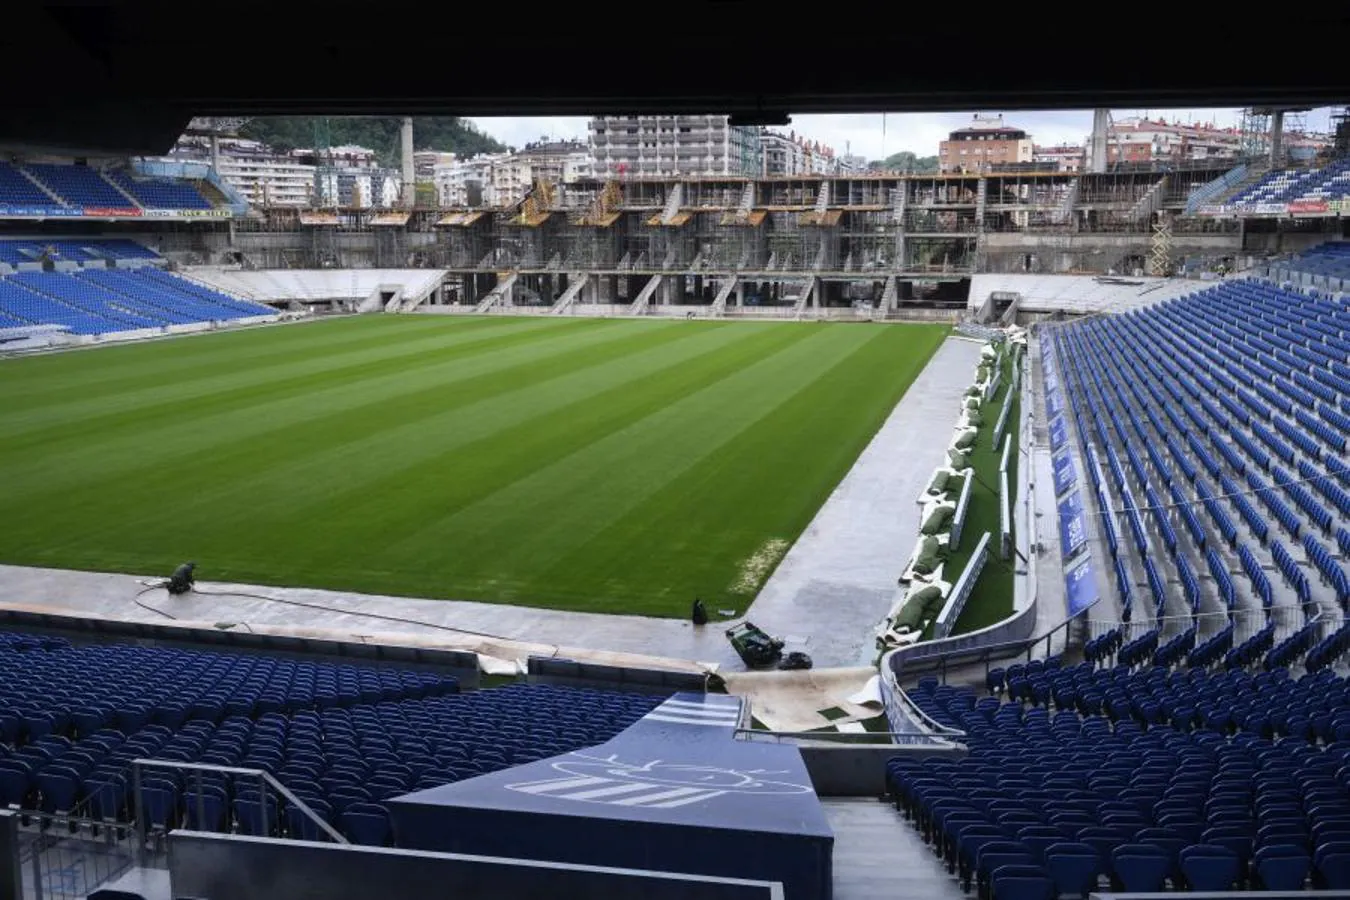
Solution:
(1160, 247)
(1257, 127)
(869, 241)
(846, 238)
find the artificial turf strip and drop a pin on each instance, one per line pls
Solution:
(602, 465)
(991, 601)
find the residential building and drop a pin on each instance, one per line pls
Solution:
(780, 154)
(674, 146)
(350, 188)
(349, 177)
(426, 161)
(792, 154)
(556, 161)
(850, 164)
(985, 143)
(263, 178)
(463, 182)
(1059, 157)
(347, 156)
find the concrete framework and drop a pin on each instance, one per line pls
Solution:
(732, 245)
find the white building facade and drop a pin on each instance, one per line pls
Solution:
(673, 146)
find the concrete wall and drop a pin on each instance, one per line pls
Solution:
(236, 867)
(859, 770)
(547, 670)
(1286, 242)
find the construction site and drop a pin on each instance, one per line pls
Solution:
(731, 242)
(894, 245)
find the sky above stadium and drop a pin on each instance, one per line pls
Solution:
(875, 136)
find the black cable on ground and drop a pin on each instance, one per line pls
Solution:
(143, 605)
(351, 612)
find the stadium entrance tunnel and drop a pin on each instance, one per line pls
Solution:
(675, 792)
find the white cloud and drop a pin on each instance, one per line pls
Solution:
(876, 136)
(521, 130)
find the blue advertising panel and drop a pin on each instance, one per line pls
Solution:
(1059, 434)
(674, 792)
(1072, 526)
(1054, 402)
(1080, 587)
(1066, 474)
(40, 212)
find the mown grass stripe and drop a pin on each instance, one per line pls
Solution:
(614, 465)
(342, 447)
(296, 373)
(138, 441)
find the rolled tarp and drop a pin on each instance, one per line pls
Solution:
(922, 605)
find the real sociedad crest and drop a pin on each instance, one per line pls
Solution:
(651, 785)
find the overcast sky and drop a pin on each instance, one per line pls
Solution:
(865, 135)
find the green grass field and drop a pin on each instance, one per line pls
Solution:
(604, 465)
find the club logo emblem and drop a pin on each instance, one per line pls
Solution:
(652, 785)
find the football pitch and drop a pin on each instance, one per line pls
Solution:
(607, 465)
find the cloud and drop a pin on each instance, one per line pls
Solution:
(876, 136)
(521, 130)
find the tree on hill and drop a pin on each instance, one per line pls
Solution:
(906, 161)
(447, 134)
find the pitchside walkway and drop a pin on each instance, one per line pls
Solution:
(836, 585)
(830, 592)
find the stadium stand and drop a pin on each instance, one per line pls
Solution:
(159, 193)
(38, 189)
(1202, 742)
(1142, 777)
(1330, 182)
(93, 300)
(17, 190)
(74, 250)
(341, 738)
(79, 185)
(273, 286)
(1080, 294)
(1326, 265)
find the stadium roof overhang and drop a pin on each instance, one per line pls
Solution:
(128, 77)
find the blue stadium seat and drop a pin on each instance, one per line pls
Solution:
(159, 193)
(341, 737)
(80, 186)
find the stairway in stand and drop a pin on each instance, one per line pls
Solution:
(878, 854)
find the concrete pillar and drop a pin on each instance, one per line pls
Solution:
(1100, 120)
(409, 172)
(1277, 139)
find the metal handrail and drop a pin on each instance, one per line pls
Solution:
(895, 738)
(934, 727)
(264, 778)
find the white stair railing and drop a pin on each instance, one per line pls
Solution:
(497, 294)
(644, 298)
(719, 304)
(576, 281)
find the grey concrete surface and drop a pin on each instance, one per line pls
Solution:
(878, 854)
(829, 593)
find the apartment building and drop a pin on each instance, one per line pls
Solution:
(673, 146)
